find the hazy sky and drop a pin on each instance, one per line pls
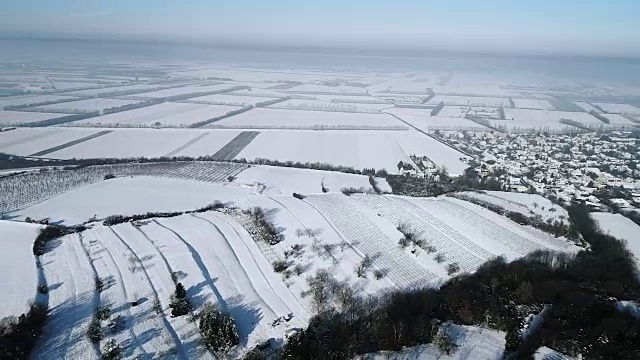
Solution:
(581, 26)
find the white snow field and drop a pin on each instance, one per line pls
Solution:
(28, 141)
(454, 111)
(32, 100)
(470, 101)
(129, 196)
(357, 149)
(183, 90)
(526, 204)
(272, 180)
(431, 123)
(416, 143)
(617, 119)
(528, 126)
(619, 108)
(587, 107)
(533, 104)
(227, 99)
(538, 116)
(8, 117)
(621, 227)
(319, 105)
(72, 301)
(129, 143)
(84, 106)
(19, 281)
(315, 88)
(166, 114)
(286, 118)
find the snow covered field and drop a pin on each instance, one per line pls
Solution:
(33, 99)
(619, 108)
(538, 116)
(126, 143)
(27, 141)
(275, 118)
(470, 101)
(318, 105)
(314, 88)
(533, 104)
(528, 126)
(416, 143)
(227, 99)
(454, 111)
(587, 107)
(617, 119)
(23, 117)
(430, 123)
(166, 114)
(191, 89)
(621, 227)
(526, 204)
(84, 106)
(272, 180)
(358, 149)
(19, 280)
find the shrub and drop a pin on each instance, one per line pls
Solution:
(379, 274)
(180, 304)
(439, 258)
(111, 351)
(453, 268)
(445, 342)
(43, 289)
(109, 176)
(218, 329)
(94, 331)
(103, 312)
(280, 266)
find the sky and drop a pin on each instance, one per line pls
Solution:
(599, 27)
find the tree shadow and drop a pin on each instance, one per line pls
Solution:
(245, 315)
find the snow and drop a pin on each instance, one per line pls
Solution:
(587, 107)
(470, 101)
(537, 116)
(129, 196)
(261, 75)
(114, 90)
(129, 143)
(179, 91)
(274, 180)
(19, 280)
(314, 88)
(622, 228)
(416, 143)
(528, 126)
(454, 111)
(617, 119)
(167, 114)
(526, 204)
(82, 106)
(533, 104)
(227, 99)
(473, 343)
(619, 108)
(319, 105)
(358, 149)
(34, 99)
(283, 118)
(430, 123)
(23, 117)
(27, 141)
(263, 93)
(213, 141)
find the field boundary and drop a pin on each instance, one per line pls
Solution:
(235, 146)
(71, 143)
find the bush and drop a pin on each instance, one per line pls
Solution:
(94, 332)
(111, 351)
(218, 329)
(445, 342)
(103, 312)
(109, 176)
(43, 289)
(18, 336)
(453, 268)
(439, 258)
(280, 266)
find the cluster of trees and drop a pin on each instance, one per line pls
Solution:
(18, 336)
(126, 107)
(580, 290)
(218, 329)
(268, 231)
(437, 109)
(51, 232)
(119, 219)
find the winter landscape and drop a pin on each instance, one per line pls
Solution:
(159, 207)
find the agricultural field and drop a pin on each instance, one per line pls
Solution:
(265, 118)
(618, 108)
(587, 107)
(324, 89)
(431, 123)
(19, 280)
(117, 90)
(227, 99)
(129, 143)
(483, 101)
(528, 126)
(454, 111)
(265, 76)
(318, 105)
(357, 149)
(538, 116)
(183, 90)
(258, 92)
(11, 118)
(419, 144)
(534, 104)
(167, 114)
(617, 119)
(30, 141)
(526, 204)
(33, 100)
(83, 106)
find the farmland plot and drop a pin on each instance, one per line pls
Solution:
(324, 89)
(83, 106)
(128, 143)
(364, 234)
(416, 143)
(528, 126)
(262, 93)
(227, 99)
(318, 105)
(431, 123)
(619, 108)
(184, 90)
(470, 101)
(538, 116)
(33, 100)
(533, 104)
(587, 107)
(209, 144)
(22, 117)
(27, 141)
(167, 114)
(526, 204)
(19, 281)
(21, 190)
(278, 180)
(357, 149)
(282, 118)
(619, 120)
(454, 111)
(72, 300)
(129, 196)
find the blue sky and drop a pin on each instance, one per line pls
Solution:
(591, 26)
